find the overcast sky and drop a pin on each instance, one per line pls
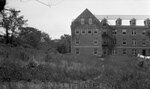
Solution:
(56, 20)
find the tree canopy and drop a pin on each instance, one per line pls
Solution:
(11, 23)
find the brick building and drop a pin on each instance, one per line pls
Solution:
(93, 35)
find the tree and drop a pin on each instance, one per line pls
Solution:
(11, 23)
(33, 37)
(64, 44)
(2, 4)
(29, 36)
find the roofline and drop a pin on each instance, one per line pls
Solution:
(124, 17)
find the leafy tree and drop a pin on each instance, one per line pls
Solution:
(2, 4)
(11, 23)
(64, 44)
(29, 36)
(32, 37)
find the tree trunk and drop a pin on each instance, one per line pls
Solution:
(7, 36)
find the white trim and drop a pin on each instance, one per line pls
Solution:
(132, 47)
(86, 46)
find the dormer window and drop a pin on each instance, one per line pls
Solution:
(147, 22)
(118, 22)
(133, 22)
(82, 21)
(90, 20)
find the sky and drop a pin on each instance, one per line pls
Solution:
(56, 20)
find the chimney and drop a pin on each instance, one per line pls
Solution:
(147, 22)
(133, 22)
(119, 22)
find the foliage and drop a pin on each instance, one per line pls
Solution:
(58, 69)
(125, 74)
(32, 37)
(11, 23)
(2, 4)
(64, 44)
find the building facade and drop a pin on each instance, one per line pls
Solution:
(92, 36)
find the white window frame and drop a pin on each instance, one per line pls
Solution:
(82, 21)
(78, 31)
(77, 52)
(90, 21)
(77, 41)
(95, 52)
(114, 31)
(143, 42)
(82, 31)
(95, 30)
(134, 51)
(95, 41)
(114, 52)
(124, 40)
(144, 32)
(124, 51)
(133, 32)
(124, 31)
(133, 41)
(88, 32)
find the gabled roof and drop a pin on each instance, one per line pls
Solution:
(86, 14)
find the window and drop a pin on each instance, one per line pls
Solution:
(124, 31)
(77, 41)
(95, 31)
(114, 52)
(114, 42)
(89, 32)
(82, 21)
(90, 20)
(133, 22)
(77, 51)
(144, 42)
(95, 42)
(114, 31)
(144, 32)
(77, 31)
(95, 51)
(133, 32)
(105, 31)
(133, 41)
(134, 52)
(105, 52)
(124, 51)
(124, 42)
(83, 32)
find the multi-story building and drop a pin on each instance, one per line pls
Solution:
(92, 35)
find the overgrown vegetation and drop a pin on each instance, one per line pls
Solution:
(33, 64)
(125, 73)
(27, 54)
